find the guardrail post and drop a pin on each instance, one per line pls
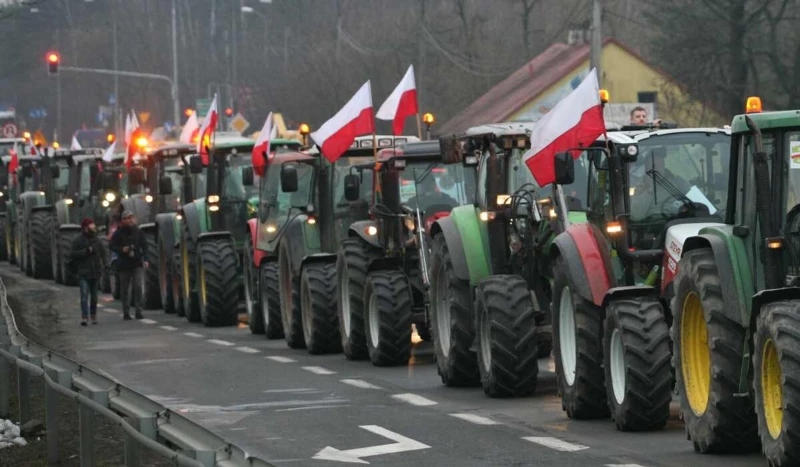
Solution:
(86, 422)
(24, 393)
(132, 447)
(5, 387)
(51, 423)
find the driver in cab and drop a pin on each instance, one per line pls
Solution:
(428, 194)
(648, 196)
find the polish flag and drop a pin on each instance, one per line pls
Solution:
(576, 121)
(108, 156)
(133, 147)
(402, 103)
(127, 129)
(261, 154)
(336, 135)
(75, 144)
(207, 131)
(190, 129)
(14, 163)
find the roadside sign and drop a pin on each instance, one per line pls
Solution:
(144, 117)
(239, 123)
(202, 106)
(9, 130)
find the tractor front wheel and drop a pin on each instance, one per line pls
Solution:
(65, 240)
(507, 341)
(270, 300)
(12, 244)
(41, 256)
(388, 318)
(637, 364)
(177, 282)
(165, 278)
(189, 295)
(289, 292)
(351, 272)
(58, 256)
(217, 281)
(151, 297)
(251, 296)
(5, 250)
(318, 302)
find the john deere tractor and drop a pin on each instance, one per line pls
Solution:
(648, 190)
(214, 230)
(308, 244)
(737, 300)
(490, 270)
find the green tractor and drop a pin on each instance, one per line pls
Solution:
(8, 185)
(307, 245)
(213, 231)
(737, 300)
(491, 268)
(382, 266)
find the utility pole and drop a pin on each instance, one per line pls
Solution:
(233, 47)
(597, 40)
(116, 113)
(58, 91)
(176, 108)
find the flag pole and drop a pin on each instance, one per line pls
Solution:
(374, 146)
(419, 127)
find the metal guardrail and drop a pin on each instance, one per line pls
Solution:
(146, 423)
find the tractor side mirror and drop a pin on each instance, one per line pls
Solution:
(248, 177)
(195, 164)
(352, 187)
(289, 179)
(165, 185)
(55, 171)
(564, 166)
(136, 176)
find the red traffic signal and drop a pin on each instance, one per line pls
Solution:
(229, 112)
(53, 59)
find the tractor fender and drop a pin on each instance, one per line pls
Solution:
(69, 228)
(359, 229)
(214, 235)
(586, 263)
(166, 230)
(315, 259)
(191, 217)
(258, 255)
(43, 207)
(302, 240)
(463, 265)
(148, 227)
(766, 297)
(63, 213)
(385, 264)
(629, 291)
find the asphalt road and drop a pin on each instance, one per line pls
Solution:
(292, 408)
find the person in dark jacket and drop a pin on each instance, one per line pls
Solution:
(129, 244)
(88, 260)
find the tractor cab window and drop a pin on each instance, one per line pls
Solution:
(599, 197)
(346, 212)
(232, 183)
(173, 201)
(434, 186)
(281, 206)
(791, 198)
(85, 180)
(520, 176)
(61, 184)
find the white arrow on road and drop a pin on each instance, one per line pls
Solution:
(354, 456)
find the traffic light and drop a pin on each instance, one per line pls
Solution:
(53, 60)
(229, 112)
(188, 112)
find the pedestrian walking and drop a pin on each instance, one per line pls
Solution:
(129, 243)
(87, 258)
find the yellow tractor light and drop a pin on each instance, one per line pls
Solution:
(56, 145)
(503, 199)
(753, 105)
(614, 228)
(774, 243)
(428, 119)
(141, 142)
(604, 96)
(487, 216)
(304, 129)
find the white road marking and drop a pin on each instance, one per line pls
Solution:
(100, 305)
(219, 342)
(247, 350)
(276, 358)
(414, 399)
(360, 384)
(318, 370)
(312, 407)
(476, 419)
(110, 310)
(193, 334)
(169, 328)
(273, 391)
(555, 443)
(147, 321)
(401, 444)
(624, 465)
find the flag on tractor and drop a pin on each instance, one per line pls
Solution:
(401, 103)
(354, 119)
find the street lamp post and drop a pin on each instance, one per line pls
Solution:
(176, 109)
(251, 10)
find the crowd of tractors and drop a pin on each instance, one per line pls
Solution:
(662, 261)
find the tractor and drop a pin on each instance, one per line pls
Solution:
(737, 300)
(613, 277)
(490, 268)
(8, 185)
(213, 230)
(382, 267)
(307, 245)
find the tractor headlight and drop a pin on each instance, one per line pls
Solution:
(68, 201)
(213, 208)
(148, 198)
(372, 231)
(213, 199)
(111, 197)
(105, 204)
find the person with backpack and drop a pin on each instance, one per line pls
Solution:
(88, 259)
(130, 245)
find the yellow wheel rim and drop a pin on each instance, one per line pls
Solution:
(771, 388)
(695, 355)
(185, 267)
(202, 279)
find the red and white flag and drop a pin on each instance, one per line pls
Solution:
(401, 103)
(190, 129)
(207, 130)
(75, 144)
(133, 133)
(14, 163)
(108, 155)
(336, 135)
(576, 121)
(261, 154)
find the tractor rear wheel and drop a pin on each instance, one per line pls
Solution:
(24, 250)
(41, 255)
(452, 321)
(65, 239)
(251, 296)
(708, 357)
(218, 282)
(777, 353)
(388, 317)
(290, 300)
(351, 272)
(577, 349)
(12, 245)
(165, 277)
(637, 364)
(55, 248)
(318, 304)
(189, 295)
(5, 251)
(151, 298)
(506, 337)
(270, 300)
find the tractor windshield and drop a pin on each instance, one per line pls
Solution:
(172, 202)
(436, 186)
(346, 212)
(61, 183)
(520, 177)
(283, 206)
(233, 188)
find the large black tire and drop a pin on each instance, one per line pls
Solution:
(579, 366)
(189, 294)
(41, 254)
(65, 239)
(4, 241)
(165, 277)
(270, 300)
(289, 287)
(151, 296)
(506, 336)
(55, 248)
(388, 317)
(177, 283)
(636, 357)
(719, 421)
(452, 321)
(318, 304)
(776, 364)
(252, 298)
(24, 249)
(218, 282)
(12, 245)
(351, 272)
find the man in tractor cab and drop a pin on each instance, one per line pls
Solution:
(427, 192)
